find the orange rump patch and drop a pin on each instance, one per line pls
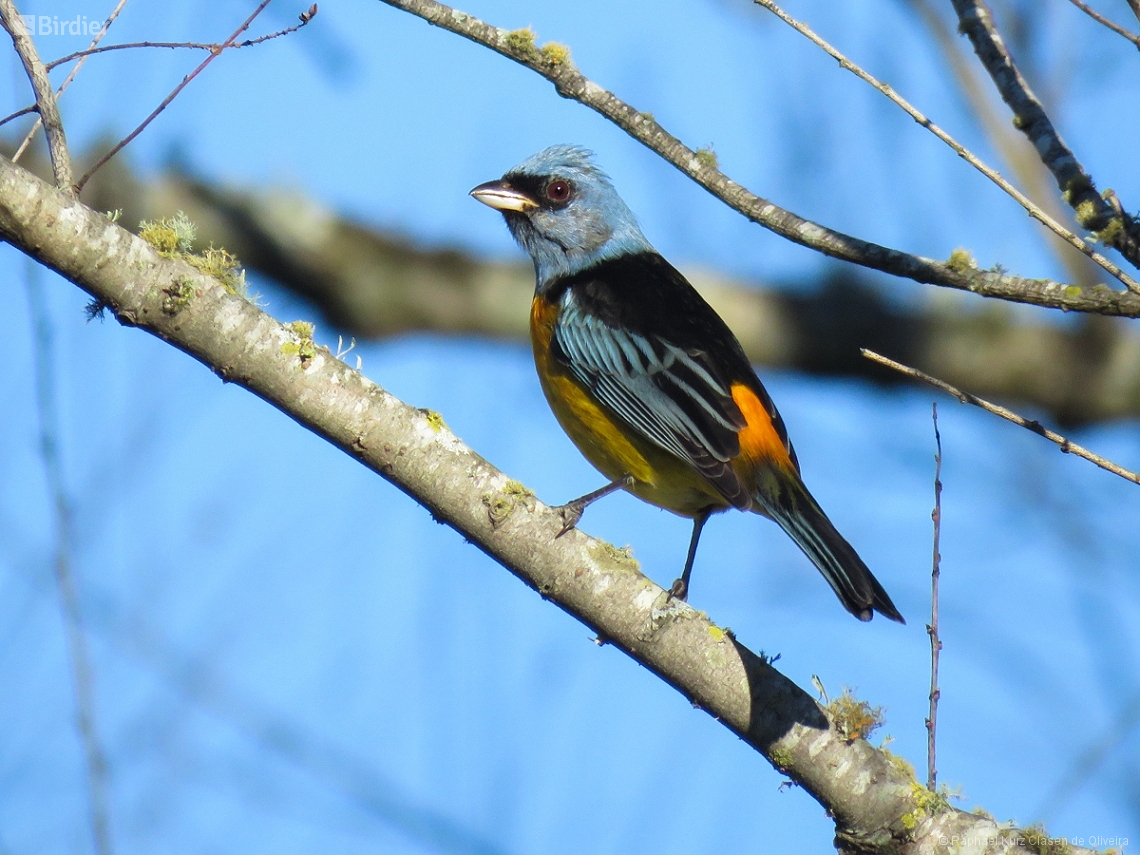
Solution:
(758, 441)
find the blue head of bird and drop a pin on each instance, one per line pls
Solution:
(564, 211)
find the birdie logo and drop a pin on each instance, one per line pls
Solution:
(51, 25)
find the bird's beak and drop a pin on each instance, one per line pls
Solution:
(503, 197)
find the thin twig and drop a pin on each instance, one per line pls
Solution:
(19, 113)
(1101, 19)
(81, 671)
(45, 95)
(1110, 223)
(1029, 424)
(98, 37)
(213, 47)
(214, 54)
(932, 627)
(570, 83)
(1031, 208)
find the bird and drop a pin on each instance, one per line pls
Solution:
(647, 379)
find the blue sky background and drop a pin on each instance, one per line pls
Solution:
(290, 656)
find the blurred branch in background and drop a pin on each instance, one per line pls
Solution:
(82, 673)
(1091, 758)
(369, 283)
(344, 769)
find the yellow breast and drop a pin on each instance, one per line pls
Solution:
(612, 447)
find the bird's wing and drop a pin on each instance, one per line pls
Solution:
(669, 394)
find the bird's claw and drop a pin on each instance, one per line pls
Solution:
(677, 591)
(571, 512)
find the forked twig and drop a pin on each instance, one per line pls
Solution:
(932, 627)
(98, 37)
(213, 47)
(996, 177)
(46, 104)
(214, 54)
(1029, 424)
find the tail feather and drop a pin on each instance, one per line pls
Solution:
(798, 514)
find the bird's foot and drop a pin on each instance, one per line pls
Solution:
(679, 590)
(571, 512)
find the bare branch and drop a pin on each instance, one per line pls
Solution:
(1111, 225)
(1112, 25)
(45, 96)
(1032, 209)
(212, 47)
(19, 113)
(932, 627)
(214, 54)
(98, 37)
(554, 65)
(875, 801)
(1029, 424)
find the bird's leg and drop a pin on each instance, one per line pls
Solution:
(680, 588)
(572, 511)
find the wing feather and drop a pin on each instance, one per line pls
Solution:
(670, 395)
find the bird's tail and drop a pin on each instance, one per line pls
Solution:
(798, 513)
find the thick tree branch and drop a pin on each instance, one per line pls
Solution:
(876, 802)
(554, 65)
(46, 104)
(1103, 216)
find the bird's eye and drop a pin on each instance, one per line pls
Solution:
(558, 191)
